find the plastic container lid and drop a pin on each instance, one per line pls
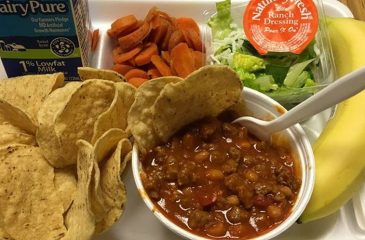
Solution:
(323, 72)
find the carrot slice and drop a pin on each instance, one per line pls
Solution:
(132, 28)
(155, 22)
(116, 52)
(123, 57)
(165, 43)
(152, 13)
(145, 55)
(137, 81)
(153, 73)
(132, 62)
(176, 37)
(158, 34)
(187, 38)
(167, 17)
(136, 73)
(133, 39)
(162, 67)
(122, 68)
(94, 39)
(199, 59)
(195, 41)
(122, 24)
(187, 23)
(182, 60)
(166, 56)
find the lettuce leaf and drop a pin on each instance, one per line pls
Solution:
(221, 22)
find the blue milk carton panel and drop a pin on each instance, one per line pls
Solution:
(44, 36)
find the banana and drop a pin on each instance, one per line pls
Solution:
(340, 150)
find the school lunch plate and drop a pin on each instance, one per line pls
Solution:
(138, 222)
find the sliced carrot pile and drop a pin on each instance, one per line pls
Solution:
(158, 45)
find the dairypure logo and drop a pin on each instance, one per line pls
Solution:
(32, 7)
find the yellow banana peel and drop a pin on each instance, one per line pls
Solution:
(340, 150)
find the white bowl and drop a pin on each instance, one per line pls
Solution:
(260, 106)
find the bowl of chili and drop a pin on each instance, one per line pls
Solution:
(214, 179)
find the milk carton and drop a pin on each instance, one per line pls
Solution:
(44, 36)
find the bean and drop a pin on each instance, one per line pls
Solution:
(218, 229)
(201, 156)
(279, 196)
(246, 196)
(216, 157)
(287, 191)
(234, 215)
(215, 174)
(274, 211)
(251, 175)
(230, 166)
(233, 200)
(198, 218)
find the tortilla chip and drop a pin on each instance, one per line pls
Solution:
(29, 204)
(107, 143)
(239, 109)
(10, 114)
(86, 73)
(116, 115)
(13, 135)
(77, 119)
(79, 220)
(103, 149)
(65, 183)
(98, 206)
(28, 92)
(206, 92)
(112, 187)
(4, 235)
(46, 136)
(140, 117)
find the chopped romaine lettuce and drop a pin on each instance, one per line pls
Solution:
(221, 22)
(246, 76)
(247, 63)
(293, 79)
(262, 83)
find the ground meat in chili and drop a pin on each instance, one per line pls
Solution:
(217, 180)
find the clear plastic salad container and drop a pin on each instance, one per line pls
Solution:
(321, 68)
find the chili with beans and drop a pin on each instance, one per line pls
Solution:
(218, 181)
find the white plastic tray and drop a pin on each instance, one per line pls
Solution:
(138, 223)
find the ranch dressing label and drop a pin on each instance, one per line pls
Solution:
(280, 25)
(44, 36)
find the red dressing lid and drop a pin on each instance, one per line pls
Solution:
(280, 25)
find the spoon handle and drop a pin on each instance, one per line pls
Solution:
(336, 92)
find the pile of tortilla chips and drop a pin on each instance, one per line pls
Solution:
(63, 148)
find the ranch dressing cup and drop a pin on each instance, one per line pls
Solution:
(42, 36)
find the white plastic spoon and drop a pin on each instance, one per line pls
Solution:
(336, 92)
